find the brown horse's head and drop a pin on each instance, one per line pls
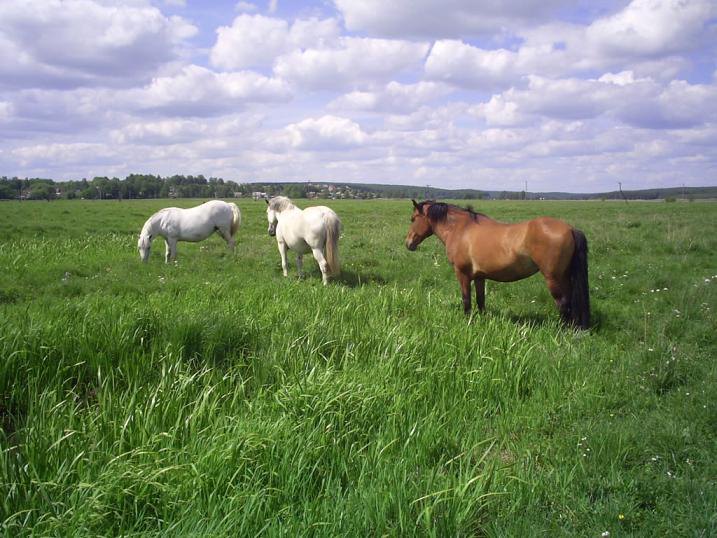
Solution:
(421, 226)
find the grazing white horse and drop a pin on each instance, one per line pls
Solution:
(314, 229)
(193, 224)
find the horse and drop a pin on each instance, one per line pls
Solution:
(481, 248)
(314, 229)
(193, 224)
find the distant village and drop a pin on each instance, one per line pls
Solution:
(317, 190)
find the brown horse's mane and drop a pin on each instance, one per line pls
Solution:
(438, 211)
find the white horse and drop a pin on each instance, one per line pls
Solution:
(314, 229)
(193, 224)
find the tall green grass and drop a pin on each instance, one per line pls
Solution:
(215, 397)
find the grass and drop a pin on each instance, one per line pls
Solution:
(215, 397)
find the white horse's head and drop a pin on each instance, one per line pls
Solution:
(275, 206)
(144, 243)
(271, 216)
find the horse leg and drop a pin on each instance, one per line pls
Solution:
(282, 252)
(300, 265)
(172, 247)
(323, 265)
(480, 293)
(465, 283)
(231, 243)
(560, 290)
(170, 251)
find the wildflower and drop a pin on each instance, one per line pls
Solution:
(621, 516)
(605, 534)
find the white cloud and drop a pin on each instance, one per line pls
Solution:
(245, 6)
(197, 91)
(393, 98)
(85, 42)
(256, 40)
(448, 18)
(354, 62)
(326, 133)
(465, 65)
(508, 92)
(651, 28)
(642, 103)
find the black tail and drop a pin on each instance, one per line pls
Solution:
(580, 291)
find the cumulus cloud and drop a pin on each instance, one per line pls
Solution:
(354, 62)
(464, 65)
(651, 28)
(256, 40)
(448, 18)
(453, 93)
(197, 91)
(326, 133)
(639, 102)
(393, 98)
(85, 42)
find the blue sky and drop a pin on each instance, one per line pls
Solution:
(572, 96)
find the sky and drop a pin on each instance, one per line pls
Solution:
(557, 95)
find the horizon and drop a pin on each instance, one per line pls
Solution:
(366, 185)
(570, 97)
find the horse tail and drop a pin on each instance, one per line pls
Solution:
(236, 218)
(333, 231)
(580, 291)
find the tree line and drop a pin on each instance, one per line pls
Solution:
(133, 186)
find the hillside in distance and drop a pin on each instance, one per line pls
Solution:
(180, 186)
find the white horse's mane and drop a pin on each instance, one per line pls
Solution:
(280, 203)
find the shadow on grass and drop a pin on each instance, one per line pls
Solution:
(354, 280)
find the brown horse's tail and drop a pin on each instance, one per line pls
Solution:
(580, 291)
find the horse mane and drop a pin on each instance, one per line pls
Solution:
(280, 203)
(438, 211)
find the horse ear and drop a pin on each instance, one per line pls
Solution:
(266, 200)
(415, 205)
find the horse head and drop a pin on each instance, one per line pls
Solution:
(144, 243)
(271, 217)
(421, 226)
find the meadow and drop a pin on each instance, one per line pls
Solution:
(215, 397)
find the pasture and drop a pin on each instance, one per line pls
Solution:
(215, 397)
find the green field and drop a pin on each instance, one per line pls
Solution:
(214, 397)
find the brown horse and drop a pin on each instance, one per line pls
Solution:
(479, 247)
